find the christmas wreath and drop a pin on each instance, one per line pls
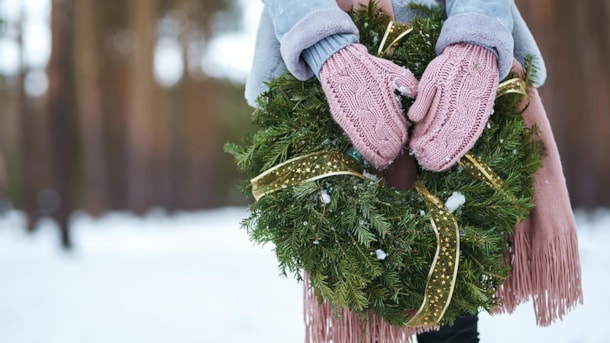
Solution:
(418, 257)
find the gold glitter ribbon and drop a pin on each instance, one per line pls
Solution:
(481, 171)
(514, 85)
(443, 272)
(313, 166)
(394, 32)
(474, 165)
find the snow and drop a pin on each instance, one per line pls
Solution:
(381, 255)
(195, 277)
(456, 200)
(324, 196)
(370, 176)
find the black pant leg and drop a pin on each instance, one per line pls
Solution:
(464, 330)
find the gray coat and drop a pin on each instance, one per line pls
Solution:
(299, 35)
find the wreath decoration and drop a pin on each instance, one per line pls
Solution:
(419, 257)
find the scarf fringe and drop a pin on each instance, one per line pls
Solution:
(556, 266)
(549, 274)
(518, 286)
(324, 326)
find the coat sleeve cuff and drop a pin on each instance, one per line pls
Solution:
(481, 30)
(313, 28)
(316, 55)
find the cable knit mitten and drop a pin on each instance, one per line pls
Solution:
(456, 97)
(360, 90)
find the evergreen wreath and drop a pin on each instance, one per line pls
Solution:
(367, 246)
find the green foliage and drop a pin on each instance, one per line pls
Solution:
(336, 241)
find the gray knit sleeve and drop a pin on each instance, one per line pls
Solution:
(299, 25)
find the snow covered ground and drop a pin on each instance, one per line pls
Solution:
(195, 277)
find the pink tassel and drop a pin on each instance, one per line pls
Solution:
(550, 274)
(518, 287)
(556, 278)
(322, 326)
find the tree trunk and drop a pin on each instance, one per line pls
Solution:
(115, 43)
(141, 105)
(60, 110)
(3, 181)
(88, 99)
(26, 140)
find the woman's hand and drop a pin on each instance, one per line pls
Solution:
(455, 99)
(360, 90)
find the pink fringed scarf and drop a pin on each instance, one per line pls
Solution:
(544, 254)
(545, 259)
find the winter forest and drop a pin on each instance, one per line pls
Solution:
(113, 116)
(101, 124)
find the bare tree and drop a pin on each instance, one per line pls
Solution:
(88, 102)
(141, 105)
(2, 179)
(60, 105)
(26, 123)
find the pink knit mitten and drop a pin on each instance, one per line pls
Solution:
(360, 89)
(456, 97)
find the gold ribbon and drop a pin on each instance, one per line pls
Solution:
(514, 85)
(443, 272)
(478, 168)
(481, 171)
(309, 167)
(394, 32)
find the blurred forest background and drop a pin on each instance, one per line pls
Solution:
(94, 128)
